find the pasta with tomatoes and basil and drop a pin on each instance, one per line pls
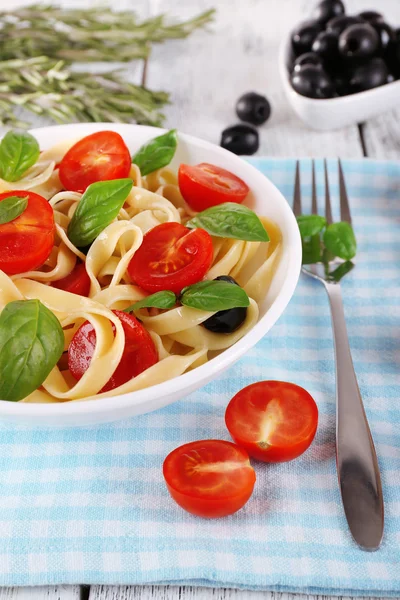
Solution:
(117, 273)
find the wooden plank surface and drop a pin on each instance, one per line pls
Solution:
(193, 593)
(60, 592)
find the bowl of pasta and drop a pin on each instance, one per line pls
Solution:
(136, 264)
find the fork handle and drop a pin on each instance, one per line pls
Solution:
(357, 464)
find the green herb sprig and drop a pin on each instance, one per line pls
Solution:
(338, 239)
(86, 35)
(204, 295)
(39, 45)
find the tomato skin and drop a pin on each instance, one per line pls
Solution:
(206, 185)
(100, 156)
(76, 282)
(274, 421)
(27, 241)
(171, 257)
(139, 353)
(196, 479)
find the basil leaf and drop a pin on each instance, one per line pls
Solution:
(214, 295)
(98, 207)
(157, 153)
(12, 207)
(310, 225)
(31, 343)
(165, 299)
(231, 220)
(339, 238)
(311, 250)
(19, 150)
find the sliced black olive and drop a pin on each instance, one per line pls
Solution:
(327, 9)
(358, 41)
(304, 35)
(370, 75)
(309, 58)
(371, 16)
(240, 139)
(226, 321)
(312, 81)
(339, 24)
(326, 45)
(254, 108)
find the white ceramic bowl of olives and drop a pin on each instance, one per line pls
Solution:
(340, 69)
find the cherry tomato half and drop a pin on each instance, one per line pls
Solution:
(26, 242)
(209, 478)
(100, 156)
(205, 185)
(274, 421)
(171, 257)
(139, 353)
(76, 282)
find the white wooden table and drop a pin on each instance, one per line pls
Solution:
(205, 75)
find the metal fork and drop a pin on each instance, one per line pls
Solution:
(357, 465)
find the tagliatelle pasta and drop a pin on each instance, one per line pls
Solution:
(181, 341)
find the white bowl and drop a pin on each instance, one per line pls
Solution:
(335, 113)
(264, 198)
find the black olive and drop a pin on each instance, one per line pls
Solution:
(312, 81)
(253, 108)
(309, 58)
(304, 35)
(385, 32)
(358, 41)
(342, 84)
(326, 45)
(371, 16)
(339, 24)
(370, 75)
(226, 321)
(240, 139)
(327, 9)
(392, 58)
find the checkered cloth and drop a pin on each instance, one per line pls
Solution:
(89, 505)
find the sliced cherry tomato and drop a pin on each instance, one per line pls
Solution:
(27, 241)
(139, 353)
(209, 478)
(274, 421)
(205, 185)
(100, 156)
(171, 257)
(77, 282)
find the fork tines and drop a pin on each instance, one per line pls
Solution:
(345, 214)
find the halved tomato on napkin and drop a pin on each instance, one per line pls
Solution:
(274, 421)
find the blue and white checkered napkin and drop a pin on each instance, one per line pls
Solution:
(90, 505)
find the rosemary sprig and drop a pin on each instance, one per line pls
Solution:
(39, 45)
(85, 35)
(48, 88)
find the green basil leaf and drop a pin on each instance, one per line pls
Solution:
(231, 220)
(98, 207)
(12, 207)
(165, 299)
(339, 238)
(19, 150)
(31, 343)
(311, 250)
(310, 225)
(157, 153)
(214, 295)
